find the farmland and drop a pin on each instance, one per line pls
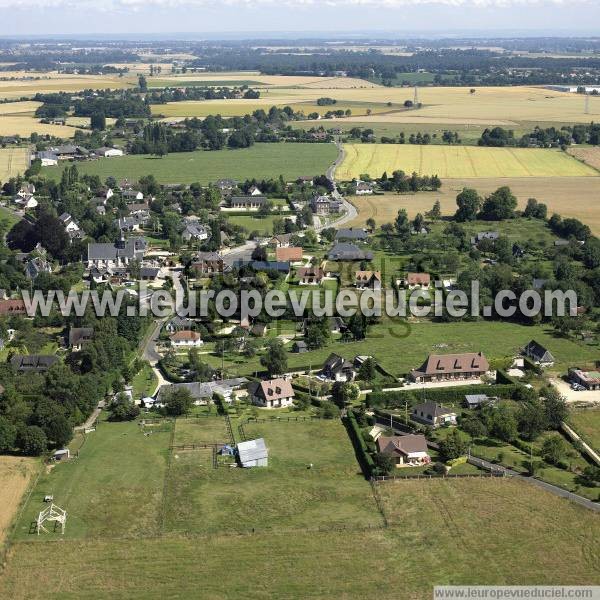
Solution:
(567, 196)
(260, 161)
(504, 522)
(13, 161)
(24, 126)
(587, 424)
(458, 161)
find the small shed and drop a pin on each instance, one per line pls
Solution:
(299, 347)
(62, 454)
(253, 453)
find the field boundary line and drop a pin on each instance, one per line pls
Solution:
(163, 502)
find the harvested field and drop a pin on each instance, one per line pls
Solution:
(590, 156)
(15, 475)
(458, 161)
(13, 161)
(24, 126)
(17, 108)
(577, 197)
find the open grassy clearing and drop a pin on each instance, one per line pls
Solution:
(586, 422)
(520, 535)
(286, 495)
(260, 161)
(264, 225)
(114, 489)
(458, 161)
(577, 197)
(8, 216)
(16, 473)
(13, 161)
(400, 346)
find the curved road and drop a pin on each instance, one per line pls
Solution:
(350, 210)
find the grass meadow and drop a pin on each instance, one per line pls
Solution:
(260, 161)
(458, 161)
(586, 422)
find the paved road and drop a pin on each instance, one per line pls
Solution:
(350, 210)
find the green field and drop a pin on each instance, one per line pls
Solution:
(264, 225)
(400, 346)
(586, 422)
(458, 161)
(259, 161)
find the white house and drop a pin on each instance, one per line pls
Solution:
(48, 159)
(405, 450)
(71, 227)
(186, 339)
(254, 191)
(196, 231)
(275, 393)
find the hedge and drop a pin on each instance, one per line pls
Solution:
(529, 365)
(169, 375)
(360, 446)
(397, 398)
(503, 378)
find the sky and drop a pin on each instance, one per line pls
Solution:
(249, 18)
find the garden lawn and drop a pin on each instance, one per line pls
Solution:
(261, 161)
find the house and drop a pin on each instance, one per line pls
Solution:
(208, 263)
(226, 186)
(337, 368)
(293, 254)
(434, 415)
(299, 347)
(253, 453)
(266, 265)
(274, 393)
(590, 380)
(305, 180)
(27, 201)
(196, 231)
(178, 323)
(324, 205)
(351, 235)
(130, 195)
(107, 152)
(538, 354)
(415, 280)
(149, 273)
(310, 275)
(105, 193)
(247, 202)
(129, 224)
(186, 339)
(9, 308)
(484, 235)
(254, 191)
(259, 329)
(448, 367)
(36, 266)
(139, 208)
(405, 450)
(345, 251)
(362, 187)
(202, 393)
(79, 337)
(280, 241)
(32, 363)
(118, 254)
(48, 159)
(71, 226)
(367, 280)
(477, 400)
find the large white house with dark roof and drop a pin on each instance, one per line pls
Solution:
(118, 254)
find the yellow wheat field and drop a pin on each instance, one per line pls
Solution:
(13, 161)
(458, 161)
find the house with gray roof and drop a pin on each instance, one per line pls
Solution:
(202, 393)
(351, 235)
(538, 354)
(118, 254)
(350, 252)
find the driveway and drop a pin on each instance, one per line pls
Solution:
(571, 396)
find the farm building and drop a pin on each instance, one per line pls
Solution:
(590, 380)
(253, 453)
(107, 152)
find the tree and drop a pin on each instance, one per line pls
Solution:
(345, 393)
(8, 435)
(452, 446)
(555, 407)
(178, 402)
(368, 370)
(435, 214)
(384, 464)
(532, 419)
(371, 224)
(58, 430)
(502, 424)
(98, 121)
(143, 84)
(469, 204)
(402, 224)
(554, 449)
(123, 409)
(474, 427)
(259, 253)
(275, 358)
(499, 205)
(32, 440)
